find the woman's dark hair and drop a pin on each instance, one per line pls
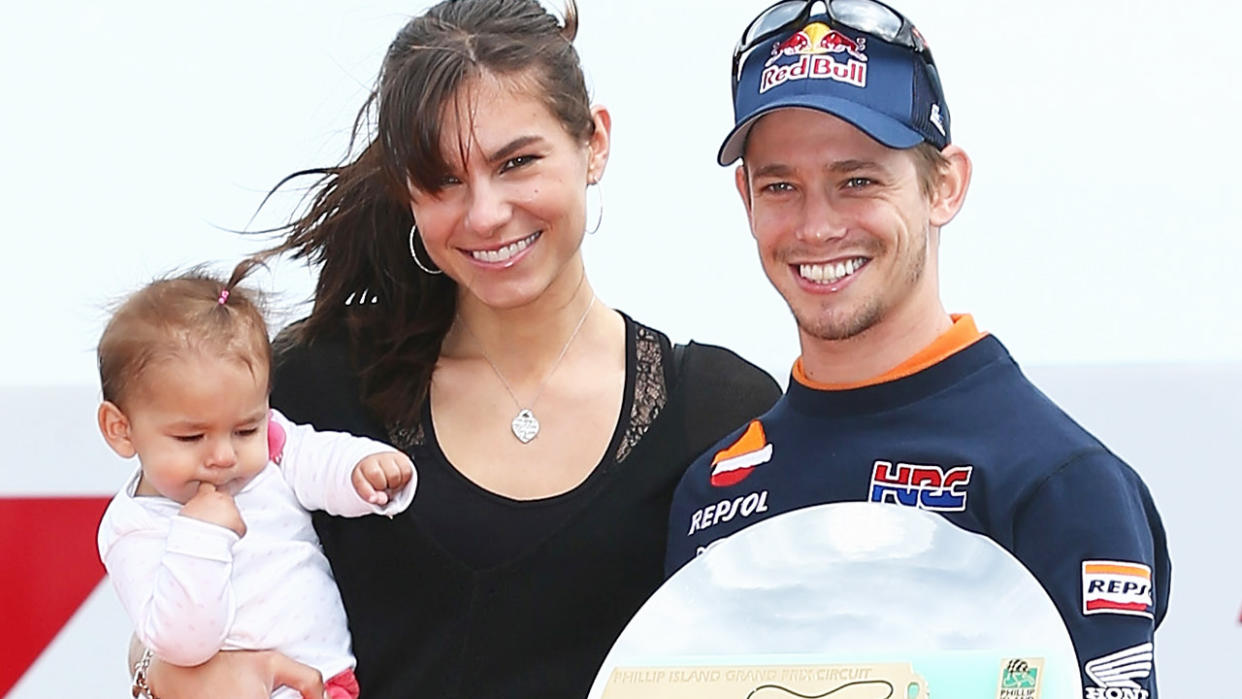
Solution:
(357, 225)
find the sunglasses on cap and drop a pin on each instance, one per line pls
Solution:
(867, 16)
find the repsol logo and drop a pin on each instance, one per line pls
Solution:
(1118, 587)
(725, 510)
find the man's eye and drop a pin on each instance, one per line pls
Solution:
(858, 182)
(519, 161)
(778, 187)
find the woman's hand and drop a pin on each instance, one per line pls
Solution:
(243, 674)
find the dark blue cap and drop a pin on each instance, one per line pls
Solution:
(888, 91)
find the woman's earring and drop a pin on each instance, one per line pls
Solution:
(599, 204)
(414, 253)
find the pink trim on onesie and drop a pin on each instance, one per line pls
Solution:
(275, 440)
(342, 686)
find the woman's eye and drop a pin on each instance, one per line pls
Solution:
(519, 161)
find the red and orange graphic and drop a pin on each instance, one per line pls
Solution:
(733, 464)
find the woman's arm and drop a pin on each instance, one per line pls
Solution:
(243, 674)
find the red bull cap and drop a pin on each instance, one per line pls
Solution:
(887, 90)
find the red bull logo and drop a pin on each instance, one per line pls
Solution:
(815, 39)
(813, 49)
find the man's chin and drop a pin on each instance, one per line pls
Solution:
(837, 327)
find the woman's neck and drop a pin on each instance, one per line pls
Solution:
(523, 341)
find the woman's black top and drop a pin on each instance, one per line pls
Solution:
(473, 594)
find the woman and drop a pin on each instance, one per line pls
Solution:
(453, 317)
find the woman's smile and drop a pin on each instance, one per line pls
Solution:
(505, 255)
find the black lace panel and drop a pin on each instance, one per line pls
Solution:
(650, 395)
(650, 390)
(406, 438)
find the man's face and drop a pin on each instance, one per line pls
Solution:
(842, 227)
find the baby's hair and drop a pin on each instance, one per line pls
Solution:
(192, 311)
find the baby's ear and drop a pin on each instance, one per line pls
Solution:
(115, 429)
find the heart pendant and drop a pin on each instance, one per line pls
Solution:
(525, 426)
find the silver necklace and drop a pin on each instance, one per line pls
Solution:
(525, 425)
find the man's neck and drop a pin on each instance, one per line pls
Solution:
(874, 351)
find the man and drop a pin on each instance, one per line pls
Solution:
(847, 176)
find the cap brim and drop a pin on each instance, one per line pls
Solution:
(881, 127)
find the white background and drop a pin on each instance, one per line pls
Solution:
(1099, 239)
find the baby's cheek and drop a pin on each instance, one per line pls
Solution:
(183, 492)
(256, 461)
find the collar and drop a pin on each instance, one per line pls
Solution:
(958, 337)
(952, 371)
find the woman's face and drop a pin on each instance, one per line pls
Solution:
(509, 219)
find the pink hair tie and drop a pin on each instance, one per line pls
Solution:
(224, 296)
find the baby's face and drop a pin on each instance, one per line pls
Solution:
(196, 419)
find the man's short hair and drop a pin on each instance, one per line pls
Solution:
(929, 164)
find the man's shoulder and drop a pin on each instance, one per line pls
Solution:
(1009, 402)
(1024, 434)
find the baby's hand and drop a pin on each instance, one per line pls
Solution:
(379, 476)
(217, 507)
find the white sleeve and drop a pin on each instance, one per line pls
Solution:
(176, 588)
(319, 467)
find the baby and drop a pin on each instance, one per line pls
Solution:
(209, 544)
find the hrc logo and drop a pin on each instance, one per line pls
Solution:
(929, 488)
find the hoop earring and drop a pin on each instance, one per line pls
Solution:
(414, 254)
(599, 196)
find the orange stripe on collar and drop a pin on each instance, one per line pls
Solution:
(961, 335)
